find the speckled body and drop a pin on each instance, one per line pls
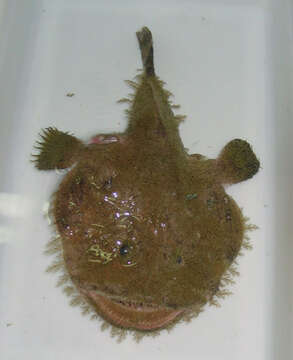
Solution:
(147, 230)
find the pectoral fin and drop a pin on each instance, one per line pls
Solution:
(56, 150)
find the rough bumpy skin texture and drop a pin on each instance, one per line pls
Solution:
(148, 233)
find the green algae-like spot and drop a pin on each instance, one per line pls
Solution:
(191, 196)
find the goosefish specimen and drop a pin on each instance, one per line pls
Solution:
(146, 233)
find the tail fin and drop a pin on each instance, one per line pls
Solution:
(145, 40)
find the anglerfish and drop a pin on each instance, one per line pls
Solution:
(146, 234)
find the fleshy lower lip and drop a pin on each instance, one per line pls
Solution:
(133, 315)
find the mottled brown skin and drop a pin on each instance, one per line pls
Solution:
(147, 230)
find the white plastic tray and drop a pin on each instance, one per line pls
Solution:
(229, 64)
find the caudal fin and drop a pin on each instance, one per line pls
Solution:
(145, 40)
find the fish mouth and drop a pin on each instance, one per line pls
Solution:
(133, 315)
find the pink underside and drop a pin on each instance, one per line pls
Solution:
(107, 139)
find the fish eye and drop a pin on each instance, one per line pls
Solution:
(124, 250)
(128, 255)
